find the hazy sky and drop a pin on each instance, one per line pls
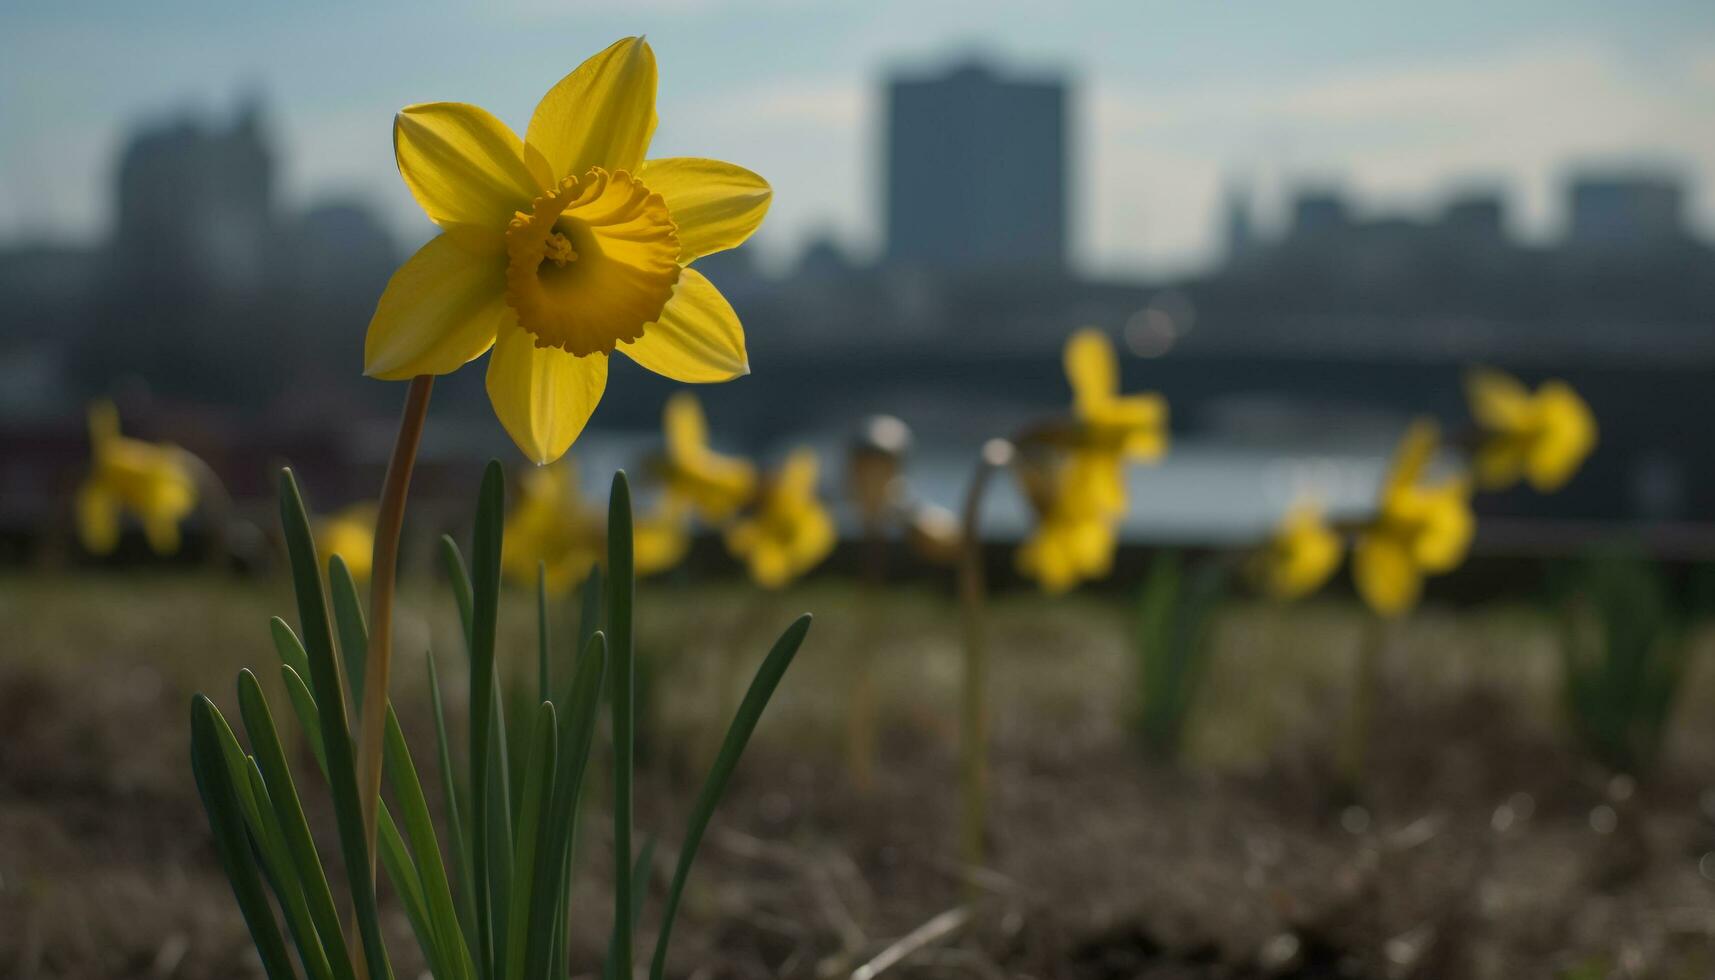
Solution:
(1403, 102)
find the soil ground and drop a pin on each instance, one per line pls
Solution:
(1479, 843)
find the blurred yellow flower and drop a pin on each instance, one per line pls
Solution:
(1543, 437)
(560, 248)
(1112, 429)
(551, 525)
(1418, 528)
(712, 485)
(1301, 555)
(151, 481)
(790, 532)
(1074, 539)
(350, 534)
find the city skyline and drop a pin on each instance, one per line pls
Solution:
(1161, 121)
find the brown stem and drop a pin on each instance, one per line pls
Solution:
(973, 715)
(390, 517)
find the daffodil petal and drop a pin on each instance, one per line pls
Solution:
(715, 205)
(1385, 575)
(698, 338)
(1091, 369)
(542, 395)
(601, 115)
(441, 309)
(462, 164)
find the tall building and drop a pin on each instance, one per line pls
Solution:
(1626, 212)
(195, 205)
(977, 172)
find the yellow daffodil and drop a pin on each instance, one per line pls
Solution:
(659, 539)
(1111, 429)
(1543, 437)
(1300, 556)
(1074, 539)
(712, 485)
(350, 534)
(151, 481)
(1418, 528)
(554, 525)
(560, 248)
(790, 532)
(551, 525)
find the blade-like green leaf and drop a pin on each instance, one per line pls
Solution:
(732, 747)
(548, 898)
(544, 688)
(288, 809)
(450, 792)
(639, 888)
(426, 852)
(288, 887)
(389, 843)
(485, 611)
(621, 590)
(231, 840)
(529, 862)
(459, 577)
(287, 645)
(348, 619)
(336, 738)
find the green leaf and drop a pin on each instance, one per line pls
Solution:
(325, 677)
(737, 736)
(348, 618)
(485, 611)
(231, 840)
(622, 587)
(544, 688)
(288, 888)
(529, 862)
(389, 843)
(450, 793)
(291, 651)
(426, 852)
(548, 898)
(459, 578)
(289, 811)
(639, 888)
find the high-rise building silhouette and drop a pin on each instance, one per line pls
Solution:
(977, 172)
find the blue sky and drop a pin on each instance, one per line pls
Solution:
(1402, 102)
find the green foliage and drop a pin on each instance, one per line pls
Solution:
(498, 909)
(1175, 613)
(1623, 656)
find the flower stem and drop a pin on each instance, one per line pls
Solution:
(973, 714)
(390, 517)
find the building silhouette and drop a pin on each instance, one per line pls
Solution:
(976, 172)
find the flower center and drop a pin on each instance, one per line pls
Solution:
(592, 263)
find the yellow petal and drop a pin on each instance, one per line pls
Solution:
(716, 205)
(542, 395)
(1497, 400)
(441, 309)
(1091, 369)
(1386, 577)
(1411, 458)
(162, 533)
(1567, 439)
(601, 115)
(463, 165)
(1447, 525)
(698, 338)
(97, 518)
(687, 431)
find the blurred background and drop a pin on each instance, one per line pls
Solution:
(1302, 224)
